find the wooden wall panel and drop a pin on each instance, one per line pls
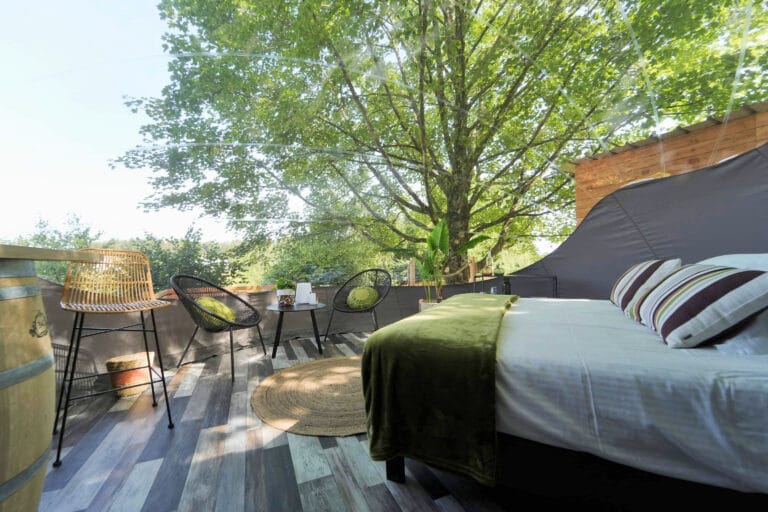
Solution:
(701, 147)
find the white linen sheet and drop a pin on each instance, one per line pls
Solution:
(578, 374)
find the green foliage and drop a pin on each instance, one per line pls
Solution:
(384, 117)
(517, 256)
(320, 257)
(434, 258)
(187, 255)
(74, 235)
(284, 284)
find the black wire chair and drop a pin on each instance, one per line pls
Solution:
(190, 288)
(376, 278)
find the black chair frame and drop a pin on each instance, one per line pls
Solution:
(374, 277)
(70, 372)
(190, 288)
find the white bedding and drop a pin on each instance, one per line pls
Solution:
(578, 374)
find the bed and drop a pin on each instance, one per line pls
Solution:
(574, 374)
(579, 384)
(578, 374)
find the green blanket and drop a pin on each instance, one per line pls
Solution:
(429, 385)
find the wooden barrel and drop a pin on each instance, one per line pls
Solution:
(27, 387)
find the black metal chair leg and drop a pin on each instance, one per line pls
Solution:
(261, 338)
(162, 371)
(232, 353)
(149, 363)
(375, 320)
(189, 344)
(66, 370)
(328, 329)
(57, 462)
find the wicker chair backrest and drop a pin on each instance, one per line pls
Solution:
(120, 282)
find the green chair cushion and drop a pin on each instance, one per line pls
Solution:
(218, 308)
(362, 297)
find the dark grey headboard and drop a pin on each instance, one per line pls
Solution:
(722, 209)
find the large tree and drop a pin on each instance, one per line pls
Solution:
(386, 116)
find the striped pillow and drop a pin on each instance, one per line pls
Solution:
(698, 302)
(638, 280)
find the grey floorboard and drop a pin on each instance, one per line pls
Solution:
(145, 421)
(349, 489)
(160, 440)
(255, 484)
(230, 495)
(280, 488)
(310, 347)
(133, 493)
(322, 495)
(379, 499)
(167, 488)
(80, 452)
(327, 441)
(217, 411)
(309, 462)
(289, 352)
(199, 492)
(120, 455)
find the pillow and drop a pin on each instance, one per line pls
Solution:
(746, 261)
(217, 308)
(698, 302)
(362, 297)
(750, 339)
(639, 279)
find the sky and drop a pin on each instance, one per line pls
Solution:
(67, 68)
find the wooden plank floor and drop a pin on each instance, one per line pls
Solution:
(120, 455)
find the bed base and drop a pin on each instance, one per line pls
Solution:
(566, 476)
(396, 470)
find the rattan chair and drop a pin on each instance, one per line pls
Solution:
(121, 283)
(376, 278)
(189, 289)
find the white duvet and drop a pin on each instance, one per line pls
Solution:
(578, 374)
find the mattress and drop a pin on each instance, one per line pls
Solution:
(578, 374)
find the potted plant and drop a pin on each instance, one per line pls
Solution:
(286, 292)
(435, 257)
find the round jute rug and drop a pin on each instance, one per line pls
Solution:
(320, 398)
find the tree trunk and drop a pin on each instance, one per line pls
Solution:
(457, 218)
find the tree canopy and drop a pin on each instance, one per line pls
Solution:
(384, 117)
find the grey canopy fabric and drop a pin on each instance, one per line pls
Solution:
(721, 209)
